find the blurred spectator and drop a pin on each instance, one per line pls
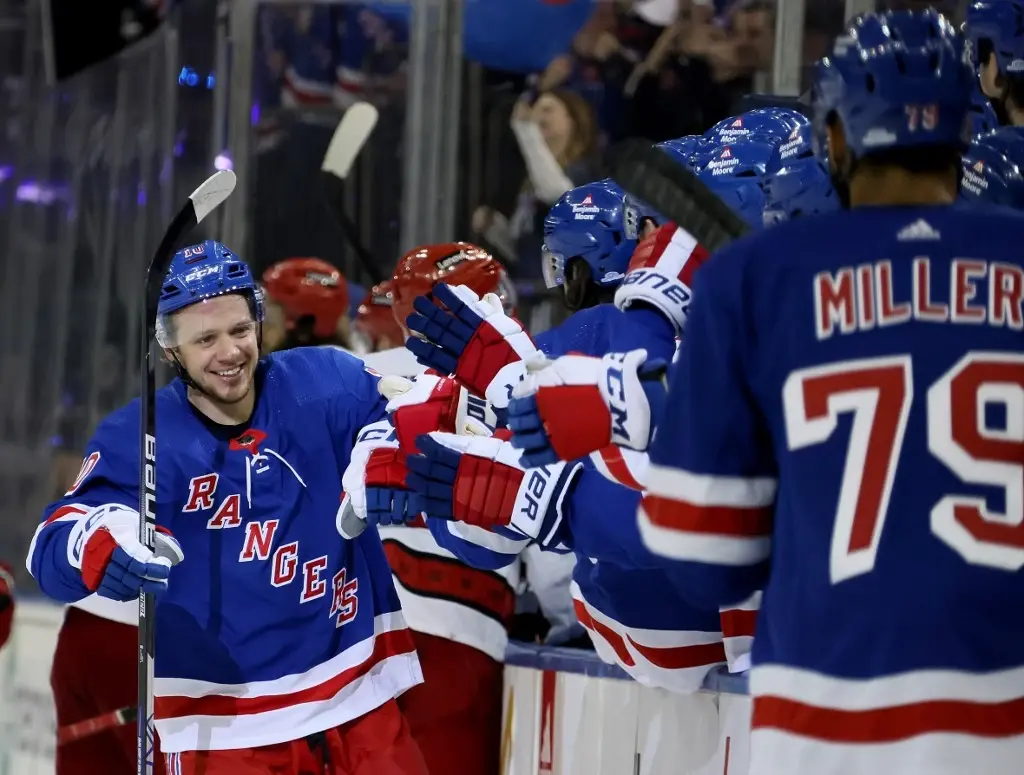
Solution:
(558, 142)
(699, 68)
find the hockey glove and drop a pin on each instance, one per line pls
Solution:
(479, 481)
(375, 492)
(472, 339)
(575, 405)
(430, 403)
(660, 274)
(104, 546)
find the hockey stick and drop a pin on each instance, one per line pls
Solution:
(201, 203)
(348, 140)
(92, 726)
(658, 180)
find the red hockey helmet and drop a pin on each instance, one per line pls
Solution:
(308, 287)
(375, 322)
(454, 263)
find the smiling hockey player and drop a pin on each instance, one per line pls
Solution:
(280, 647)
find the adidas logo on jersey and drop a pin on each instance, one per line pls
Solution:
(918, 230)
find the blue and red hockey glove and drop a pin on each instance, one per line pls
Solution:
(375, 492)
(6, 602)
(575, 405)
(472, 339)
(479, 481)
(104, 546)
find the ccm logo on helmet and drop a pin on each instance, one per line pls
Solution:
(198, 274)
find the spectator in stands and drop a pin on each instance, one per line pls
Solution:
(700, 68)
(558, 142)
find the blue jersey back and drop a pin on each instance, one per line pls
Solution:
(850, 406)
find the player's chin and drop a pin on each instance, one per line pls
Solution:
(230, 390)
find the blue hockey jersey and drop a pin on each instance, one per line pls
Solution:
(273, 627)
(623, 594)
(845, 427)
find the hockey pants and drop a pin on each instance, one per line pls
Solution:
(378, 743)
(455, 714)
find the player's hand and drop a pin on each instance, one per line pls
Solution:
(479, 481)
(105, 547)
(431, 403)
(375, 492)
(472, 339)
(575, 405)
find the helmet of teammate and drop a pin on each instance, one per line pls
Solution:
(596, 223)
(735, 172)
(308, 288)
(982, 116)
(996, 26)
(454, 263)
(684, 149)
(201, 272)
(795, 188)
(896, 79)
(992, 171)
(774, 122)
(799, 144)
(375, 327)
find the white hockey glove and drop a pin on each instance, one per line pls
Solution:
(567, 408)
(472, 339)
(104, 546)
(479, 481)
(661, 274)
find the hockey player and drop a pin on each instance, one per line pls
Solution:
(995, 31)
(280, 647)
(375, 327)
(844, 408)
(665, 641)
(991, 173)
(459, 615)
(313, 297)
(6, 602)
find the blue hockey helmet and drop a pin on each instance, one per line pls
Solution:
(684, 149)
(735, 172)
(775, 122)
(201, 272)
(592, 223)
(992, 170)
(896, 79)
(996, 26)
(797, 187)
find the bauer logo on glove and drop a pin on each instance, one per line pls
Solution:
(479, 481)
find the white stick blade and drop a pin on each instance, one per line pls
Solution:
(214, 190)
(349, 138)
